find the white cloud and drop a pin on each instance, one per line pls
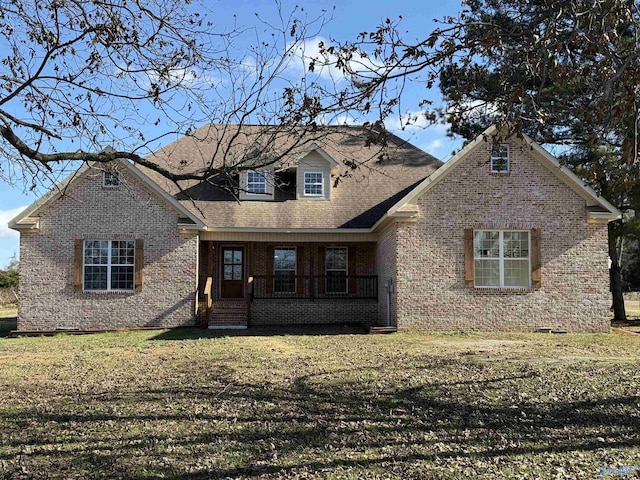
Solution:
(303, 54)
(324, 66)
(343, 120)
(411, 120)
(433, 146)
(440, 145)
(5, 216)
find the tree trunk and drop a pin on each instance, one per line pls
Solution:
(615, 278)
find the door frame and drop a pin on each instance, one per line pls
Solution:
(238, 246)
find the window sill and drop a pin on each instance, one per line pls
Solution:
(502, 291)
(108, 292)
(500, 174)
(259, 197)
(313, 197)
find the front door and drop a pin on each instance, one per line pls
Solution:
(232, 272)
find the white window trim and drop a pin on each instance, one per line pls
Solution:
(114, 175)
(321, 183)
(345, 270)
(501, 259)
(109, 265)
(507, 164)
(264, 179)
(295, 268)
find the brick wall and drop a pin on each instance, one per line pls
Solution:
(89, 211)
(385, 254)
(306, 312)
(430, 278)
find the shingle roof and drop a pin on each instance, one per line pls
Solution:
(361, 197)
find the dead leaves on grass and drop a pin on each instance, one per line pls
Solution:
(341, 407)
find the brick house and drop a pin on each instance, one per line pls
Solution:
(500, 237)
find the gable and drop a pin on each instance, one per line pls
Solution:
(315, 166)
(92, 175)
(597, 209)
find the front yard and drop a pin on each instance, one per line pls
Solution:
(410, 405)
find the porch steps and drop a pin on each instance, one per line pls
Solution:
(228, 315)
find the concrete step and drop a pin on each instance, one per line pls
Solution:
(227, 327)
(223, 322)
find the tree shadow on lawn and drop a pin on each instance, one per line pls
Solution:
(194, 333)
(319, 423)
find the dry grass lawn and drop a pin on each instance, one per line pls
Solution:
(632, 308)
(177, 405)
(8, 311)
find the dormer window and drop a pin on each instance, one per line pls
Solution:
(500, 158)
(256, 183)
(313, 184)
(110, 179)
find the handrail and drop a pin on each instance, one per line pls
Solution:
(207, 296)
(249, 297)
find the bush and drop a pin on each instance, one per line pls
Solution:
(9, 279)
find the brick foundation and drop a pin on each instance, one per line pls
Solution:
(306, 312)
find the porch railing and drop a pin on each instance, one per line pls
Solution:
(311, 287)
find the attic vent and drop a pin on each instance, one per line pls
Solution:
(111, 179)
(500, 158)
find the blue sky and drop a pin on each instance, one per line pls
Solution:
(350, 17)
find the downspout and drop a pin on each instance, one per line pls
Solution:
(389, 288)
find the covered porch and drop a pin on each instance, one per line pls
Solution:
(292, 282)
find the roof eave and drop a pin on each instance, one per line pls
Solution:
(602, 217)
(401, 216)
(190, 226)
(25, 224)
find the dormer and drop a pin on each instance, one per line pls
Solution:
(313, 174)
(256, 183)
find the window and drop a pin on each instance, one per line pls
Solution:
(256, 183)
(284, 269)
(232, 264)
(110, 179)
(313, 183)
(108, 265)
(500, 158)
(336, 270)
(502, 258)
